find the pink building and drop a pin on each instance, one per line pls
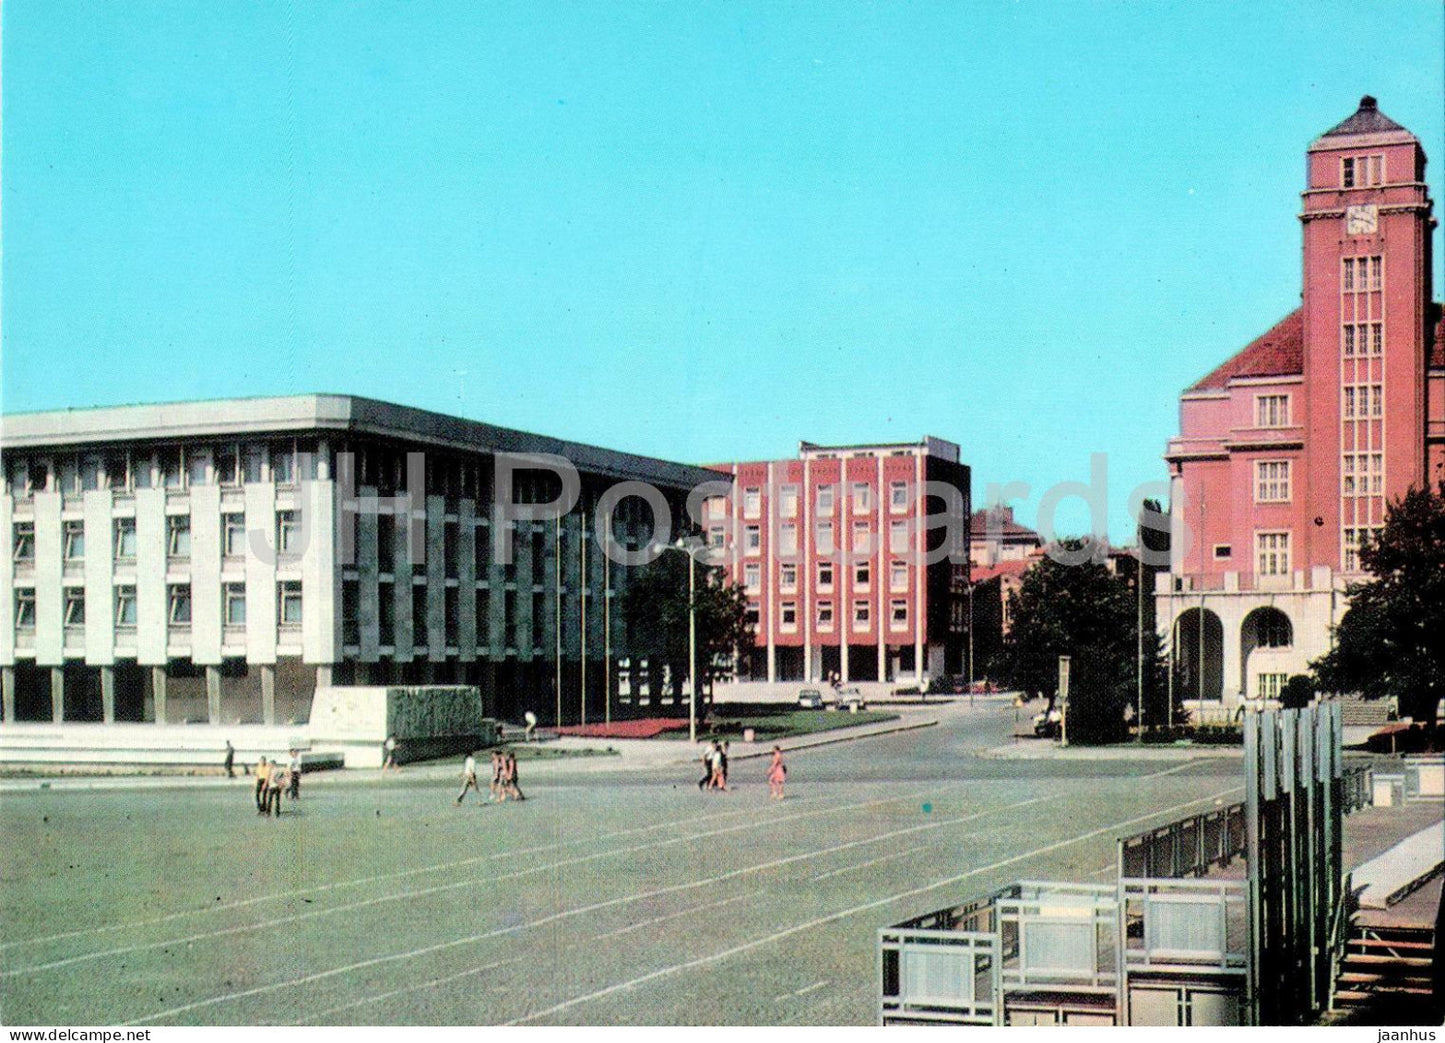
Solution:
(833, 551)
(1289, 451)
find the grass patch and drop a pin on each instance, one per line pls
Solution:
(543, 752)
(770, 724)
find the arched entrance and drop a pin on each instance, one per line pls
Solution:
(1199, 655)
(1264, 630)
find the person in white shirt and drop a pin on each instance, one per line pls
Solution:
(469, 779)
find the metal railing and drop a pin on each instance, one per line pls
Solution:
(1184, 926)
(1185, 848)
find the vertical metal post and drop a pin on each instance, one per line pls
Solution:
(1139, 640)
(1063, 700)
(1252, 864)
(607, 620)
(582, 608)
(692, 646)
(557, 644)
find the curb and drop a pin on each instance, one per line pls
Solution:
(829, 740)
(1111, 753)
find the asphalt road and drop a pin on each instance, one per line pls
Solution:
(609, 897)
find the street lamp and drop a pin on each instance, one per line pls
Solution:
(691, 552)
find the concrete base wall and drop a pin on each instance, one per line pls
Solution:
(427, 721)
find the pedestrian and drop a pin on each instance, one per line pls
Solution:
(513, 781)
(718, 782)
(777, 774)
(469, 779)
(724, 759)
(498, 793)
(275, 786)
(293, 770)
(263, 778)
(389, 750)
(706, 759)
(230, 762)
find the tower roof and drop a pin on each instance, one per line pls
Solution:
(1368, 119)
(1278, 352)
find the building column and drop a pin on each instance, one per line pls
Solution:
(57, 694)
(158, 688)
(323, 676)
(107, 694)
(7, 692)
(268, 693)
(213, 694)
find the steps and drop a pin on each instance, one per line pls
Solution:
(1385, 967)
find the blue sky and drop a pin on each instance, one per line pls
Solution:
(702, 231)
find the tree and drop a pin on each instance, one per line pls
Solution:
(1089, 614)
(1391, 641)
(1297, 693)
(656, 612)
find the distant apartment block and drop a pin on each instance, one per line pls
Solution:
(217, 561)
(832, 550)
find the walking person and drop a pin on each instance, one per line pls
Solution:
(275, 786)
(293, 771)
(513, 781)
(777, 774)
(718, 782)
(469, 780)
(706, 759)
(498, 793)
(230, 762)
(724, 758)
(263, 779)
(388, 762)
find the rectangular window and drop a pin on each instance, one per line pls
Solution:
(1271, 410)
(861, 498)
(1376, 468)
(1347, 475)
(1270, 685)
(125, 539)
(898, 614)
(117, 475)
(898, 576)
(862, 538)
(289, 602)
(825, 615)
(283, 465)
(233, 597)
(788, 616)
(179, 607)
(198, 466)
(288, 532)
(1347, 280)
(125, 606)
(74, 535)
(752, 539)
(787, 540)
(788, 501)
(716, 507)
(74, 606)
(24, 541)
(178, 535)
(233, 529)
(862, 575)
(1347, 407)
(716, 536)
(1377, 400)
(898, 496)
(898, 537)
(1347, 172)
(25, 608)
(1223, 550)
(226, 473)
(1354, 540)
(89, 473)
(1349, 347)
(862, 615)
(252, 464)
(752, 502)
(1272, 484)
(788, 578)
(825, 501)
(171, 473)
(752, 577)
(1272, 554)
(825, 575)
(1377, 272)
(1377, 338)
(825, 537)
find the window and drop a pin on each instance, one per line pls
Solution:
(1363, 401)
(226, 473)
(825, 501)
(716, 536)
(74, 606)
(198, 466)
(898, 537)
(751, 615)
(25, 608)
(752, 577)
(862, 539)
(898, 496)
(862, 575)
(233, 527)
(90, 474)
(788, 501)
(715, 507)
(24, 541)
(171, 474)
(179, 610)
(1361, 171)
(289, 602)
(898, 614)
(125, 539)
(861, 498)
(1271, 410)
(788, 616)
(233, 596)
(1354, 540)
(788, 578)
(1273, 630)
(862, 615)
(1272, 554)
(788, 539)
(825, 537)
(1377, 272)
(1362, 474)
(125, 606)
(69, 477)
(178, 535)
(1223, 550)
(1347, 279)
(752, 502)
(288, 532)
(283, 465)
(825, 575)
(253, 464)
(752, 539)
(1270, 685)
(74, 535)
(825, 615)
(1271, 481)
(898, 576)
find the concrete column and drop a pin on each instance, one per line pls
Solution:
(268, 693)
(7, 690)
(57, 694)
(323, 676)
(158, 686)
(107, 694)
(213, 694)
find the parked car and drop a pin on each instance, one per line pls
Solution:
(850, 699)
(810, 699)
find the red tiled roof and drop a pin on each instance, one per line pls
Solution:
(984, 573)
(1279, 352)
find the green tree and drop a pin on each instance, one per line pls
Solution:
(1391, 641)
(1089, 614)
(655, 609)
(1297, 693)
